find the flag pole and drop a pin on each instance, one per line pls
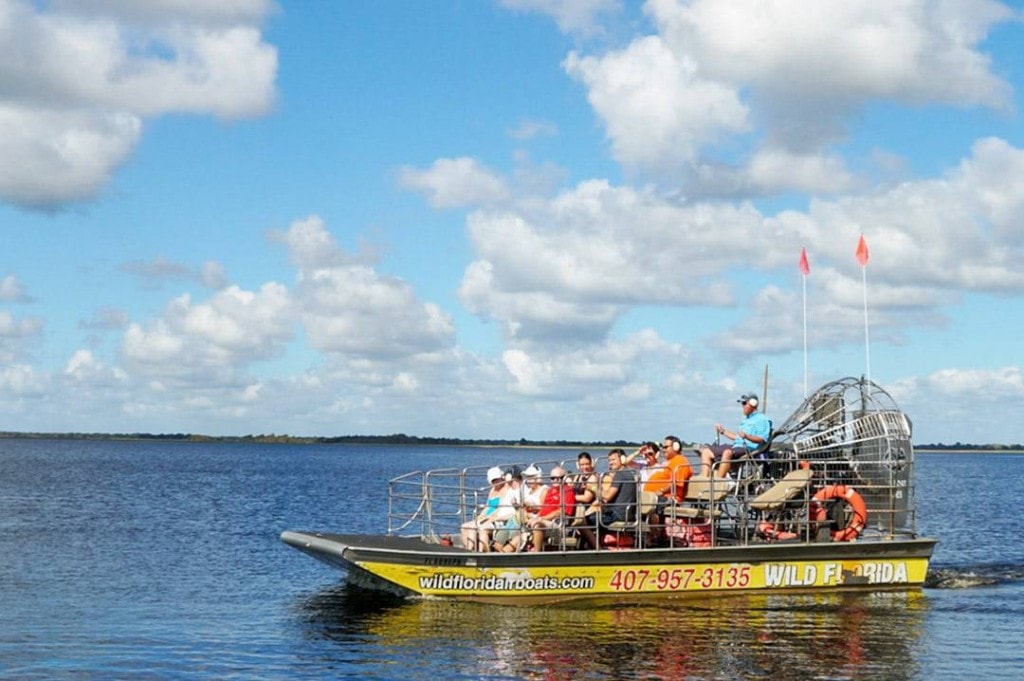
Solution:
(804, 278)
(805, 269)
(867, 339)
(764, 391)
(862, 258)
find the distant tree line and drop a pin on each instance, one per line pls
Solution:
(395, 439)
(403, 439)
(968, 447)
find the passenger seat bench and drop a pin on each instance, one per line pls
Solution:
(703, 495)
(784, 491)
(647, 503)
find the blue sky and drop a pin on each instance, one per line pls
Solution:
(518, 218)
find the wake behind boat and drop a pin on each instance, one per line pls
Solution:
(827, 504)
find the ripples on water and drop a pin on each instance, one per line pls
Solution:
(155, 560)
(757, 636)
(967, 577)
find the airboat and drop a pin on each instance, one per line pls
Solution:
(827, 504)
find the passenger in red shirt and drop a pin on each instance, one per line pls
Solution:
(555, 512)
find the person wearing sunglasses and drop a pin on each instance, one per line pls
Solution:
(753, 431)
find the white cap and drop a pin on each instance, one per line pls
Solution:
(495, 474)
(533, 472)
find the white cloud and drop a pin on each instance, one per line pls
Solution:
(563, 270)
(530, 129)
(773, 325)
(227, 12)
(406, 382)
(347, 307)
(578, 17)
(572, 265)
(11, 290)
(77, 80)
(534, 315)
(20, 381)
(84, 368)
(772, 171)
(56, 156)
(311, 246)
(964, 404)
(769, 172)
(930, 241)
(195, 364)
(247, 322)
(981, 385)
(456, 182)
(156, 272)
(598, 371)
(212, 275)
(13, 328)
(158, 269)
(960, 232)
(800, 71)
(105, 318)
(905, 50)
(658, 110)
(15, 335)
(354, 310)
(211, 341)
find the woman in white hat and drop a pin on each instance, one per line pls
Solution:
(476, 533)
(533, 497)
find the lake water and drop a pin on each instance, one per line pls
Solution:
(157, 560)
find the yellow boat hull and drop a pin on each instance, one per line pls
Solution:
(414, 567)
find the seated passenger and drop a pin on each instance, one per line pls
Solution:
(555, 512)
(669, 482)
(508, 518)
(594, 509)
(476, 533)
(617, 501)
(645, 460)
(533, 497)
(753, 432)
(585, 482)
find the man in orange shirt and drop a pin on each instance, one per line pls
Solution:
(668, 482)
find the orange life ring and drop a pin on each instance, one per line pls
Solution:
(841, 492)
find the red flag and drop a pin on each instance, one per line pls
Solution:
(805, 267)
(862, 251)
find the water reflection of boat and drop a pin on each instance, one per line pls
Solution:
(754, 635)
(829, 505)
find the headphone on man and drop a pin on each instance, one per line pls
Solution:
(677, 446)
(752, 402)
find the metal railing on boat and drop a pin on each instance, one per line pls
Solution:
(736, 510)
(852, 444)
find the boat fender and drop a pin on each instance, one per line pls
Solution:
(858, 519)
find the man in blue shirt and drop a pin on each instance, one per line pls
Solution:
(753, 432)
